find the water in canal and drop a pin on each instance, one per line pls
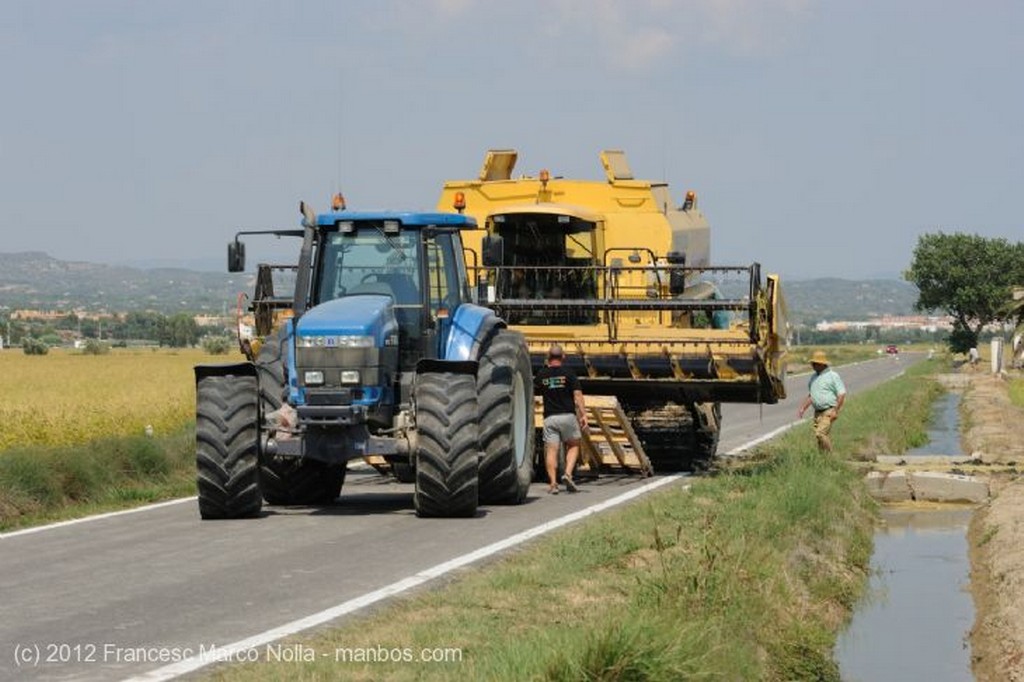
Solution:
(944, 428)
(914, 622)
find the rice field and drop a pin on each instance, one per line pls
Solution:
(68, 398)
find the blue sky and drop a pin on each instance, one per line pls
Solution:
(822, 138)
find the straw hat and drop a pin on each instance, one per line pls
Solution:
(819, 358)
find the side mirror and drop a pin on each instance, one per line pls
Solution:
(236, 256)
(493, 248)
(308, 214)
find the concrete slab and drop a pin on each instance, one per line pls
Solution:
(927, 460)
(893, 486)
(937, 487)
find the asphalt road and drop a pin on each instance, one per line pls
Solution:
(128, 594)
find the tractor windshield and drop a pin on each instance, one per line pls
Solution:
(366, 261)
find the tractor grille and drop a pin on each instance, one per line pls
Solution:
(333, 361)
(348, 358)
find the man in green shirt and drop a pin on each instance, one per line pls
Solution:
(827, 393)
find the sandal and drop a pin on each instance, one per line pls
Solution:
(570, 484)
(552, 490)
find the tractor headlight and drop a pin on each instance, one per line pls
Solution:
(350, 376)
(313, 378)
(343, 341)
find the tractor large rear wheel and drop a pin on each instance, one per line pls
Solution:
(227, 445)
(505, 418)
(446, 444)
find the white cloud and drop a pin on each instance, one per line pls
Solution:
(641, 32)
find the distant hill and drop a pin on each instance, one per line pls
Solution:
(814, 300)
(36, 280)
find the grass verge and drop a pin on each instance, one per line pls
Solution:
(40, 484)
(749, 574)
(1016, 389)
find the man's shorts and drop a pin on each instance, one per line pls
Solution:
(559, 428)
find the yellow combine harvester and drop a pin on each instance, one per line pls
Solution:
(620, 275)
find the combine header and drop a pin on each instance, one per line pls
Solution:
(620, 275)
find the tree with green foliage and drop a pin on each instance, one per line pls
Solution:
(968, 277)
(216, 345)
(178, 331)
(33, 346)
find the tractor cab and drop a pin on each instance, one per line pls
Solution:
(419, 267)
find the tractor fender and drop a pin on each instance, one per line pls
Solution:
(471, 325)
(234, 369)
(427, 366)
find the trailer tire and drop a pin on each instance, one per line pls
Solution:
(447, 456)
(227, 447)
(505, 418)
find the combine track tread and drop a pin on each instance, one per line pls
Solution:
(672, 437)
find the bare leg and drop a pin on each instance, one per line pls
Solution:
(551, 463)
(572, 453)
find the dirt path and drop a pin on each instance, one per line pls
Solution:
(994, 432)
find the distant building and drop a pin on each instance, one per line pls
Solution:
(925, 323)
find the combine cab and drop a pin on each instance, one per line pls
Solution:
(620, 275)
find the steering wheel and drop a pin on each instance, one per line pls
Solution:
(367, 276)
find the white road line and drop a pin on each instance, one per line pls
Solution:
(768, 436)
(232, 651)
(96, 517)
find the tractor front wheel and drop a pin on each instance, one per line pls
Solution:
(227, 446)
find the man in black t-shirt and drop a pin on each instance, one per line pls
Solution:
(564, 416)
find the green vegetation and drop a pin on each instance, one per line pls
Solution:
(967, 276)
(1017, 392)
(39, 484)
(749, 574)
(94, 347)
(800, 356)
(33, 346)
(217, 345)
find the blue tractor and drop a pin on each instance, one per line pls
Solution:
(379, 351)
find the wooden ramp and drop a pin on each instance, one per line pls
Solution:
(609, 443)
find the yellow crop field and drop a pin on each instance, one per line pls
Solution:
(66, 397)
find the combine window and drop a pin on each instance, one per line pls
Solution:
(547, 257)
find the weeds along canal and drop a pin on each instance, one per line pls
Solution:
(917, 613)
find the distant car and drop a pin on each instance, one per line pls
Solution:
(891, 349)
